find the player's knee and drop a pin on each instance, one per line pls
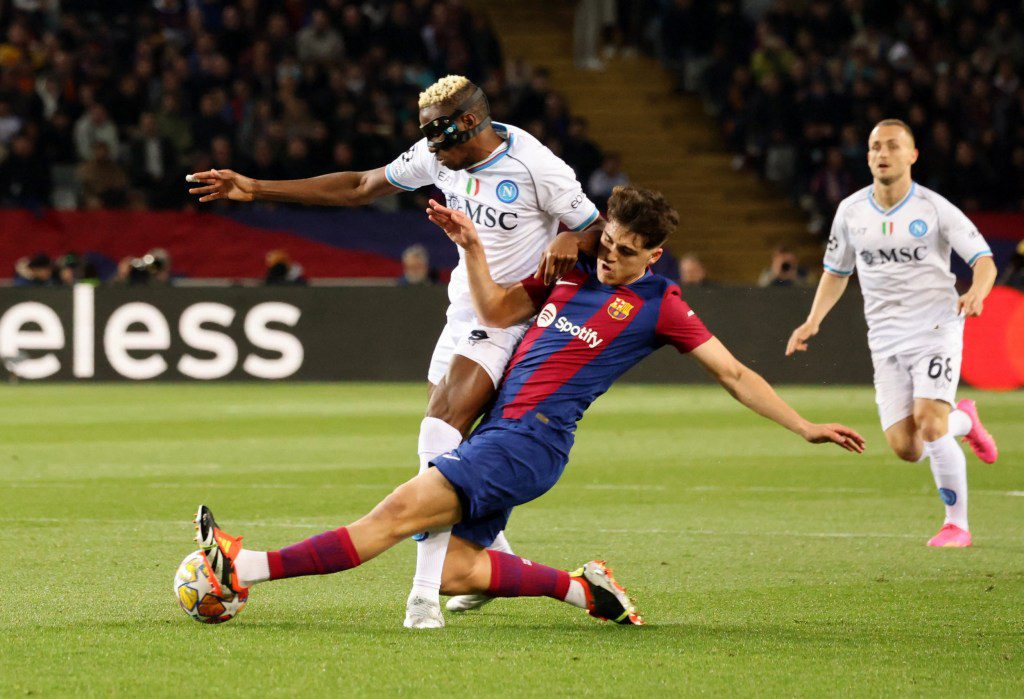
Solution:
(905, 444)
(907, 452)
(396, 514)
(933, 428)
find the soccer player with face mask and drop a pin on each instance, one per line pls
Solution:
(517, 193)
(898, 236)
(590, 327)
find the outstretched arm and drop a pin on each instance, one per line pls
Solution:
(750, 389)
(495, 305)
(830, 288)
(333, 189)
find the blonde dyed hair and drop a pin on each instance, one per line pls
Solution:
(444, 90)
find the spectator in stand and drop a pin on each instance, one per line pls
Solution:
(416, 269)
(10, 123)
(172, 125)
(272, 83)
(972, 183)
(152, 162)
(104, 182)
(34, 271)
(264, 164)
(159, 262)
(785, 270)
(605, 179)
(832, 183)
(297, 162)
(1013, 273)
(24, 176)
(319, 42)
(95, 127)
(579, 151)
(592, 20)
(692, 271)
(152, 269)
(816, 73)
(73, 268)
(282, 271)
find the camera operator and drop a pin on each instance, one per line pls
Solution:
(785, 270)
(152, 269)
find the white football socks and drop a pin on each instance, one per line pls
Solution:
(959, 423)
(501, 544)
(949, 467)
(436, 437)
(252, 567)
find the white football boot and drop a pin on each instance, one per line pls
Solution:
(423, 613)
(467, 603)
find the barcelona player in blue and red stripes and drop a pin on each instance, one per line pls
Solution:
(590, 327)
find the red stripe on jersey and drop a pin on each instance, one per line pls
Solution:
(566, 362)
(558, 294)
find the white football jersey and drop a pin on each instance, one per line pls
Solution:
(516, 197)
(902, 258)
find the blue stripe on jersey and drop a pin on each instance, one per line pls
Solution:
(970, 263)
(491, 160)
(392, 180)
(840, 272)
(593, 217)
(890, 212)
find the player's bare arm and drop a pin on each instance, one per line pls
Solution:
(750, 389)
(495, 305)
(563, 252)
(971, 303)
(830, 289)
(332, 189)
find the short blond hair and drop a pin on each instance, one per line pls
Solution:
(900, 123)
(445, 90)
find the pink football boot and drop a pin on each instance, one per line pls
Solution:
(979, 439)
(951, 536)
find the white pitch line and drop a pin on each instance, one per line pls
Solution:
(158, 522)
(586, 486)
(287, 524)
(773, 489)
(747, 534)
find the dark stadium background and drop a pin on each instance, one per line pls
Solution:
(752, 116)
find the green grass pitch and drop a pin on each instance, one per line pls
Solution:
(763, 565)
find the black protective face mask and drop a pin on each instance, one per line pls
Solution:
(443, 132)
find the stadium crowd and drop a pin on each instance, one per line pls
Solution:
(796, 84)
(106, 105)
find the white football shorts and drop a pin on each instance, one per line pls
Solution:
(932, 373)
(464, 334)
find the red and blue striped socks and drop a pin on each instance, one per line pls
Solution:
(325, 553)
(512, 576)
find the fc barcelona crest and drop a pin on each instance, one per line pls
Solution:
(619, 309)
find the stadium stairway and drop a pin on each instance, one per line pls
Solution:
(730, 219)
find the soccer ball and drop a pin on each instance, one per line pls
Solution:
(196, 596)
